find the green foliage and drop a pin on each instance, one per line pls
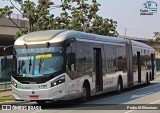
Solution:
(84, 17)
(77, 15)
(151, 41)
(20, 33)
(7, 10)
(44, 20)
(29, 11)
(157, 36)
(19, 1)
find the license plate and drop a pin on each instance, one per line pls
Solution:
(34, 97)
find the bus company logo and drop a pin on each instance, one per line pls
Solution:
(6, 107)
(150, 8)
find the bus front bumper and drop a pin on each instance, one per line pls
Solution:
(51, 94)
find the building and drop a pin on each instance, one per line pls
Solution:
(7, 32)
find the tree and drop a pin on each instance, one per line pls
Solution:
(38, 16)
(5, 11)
(84, 17)
(151, 41)
(76, 15)
(157, 36)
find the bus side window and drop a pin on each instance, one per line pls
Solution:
(71, 61)
(80, 59)
(75, 60)
(71, 57)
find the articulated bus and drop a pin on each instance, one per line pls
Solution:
(64, 64)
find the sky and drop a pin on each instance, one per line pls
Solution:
(126, 13)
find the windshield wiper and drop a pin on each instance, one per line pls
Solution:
(40, 64)
(30, 64)
(19, 66)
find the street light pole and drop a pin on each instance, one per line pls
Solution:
(125, 32)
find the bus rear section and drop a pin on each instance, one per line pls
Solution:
(143, 62)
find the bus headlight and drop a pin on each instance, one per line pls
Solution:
(58, 81)
(14, 84)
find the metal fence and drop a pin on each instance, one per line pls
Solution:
(6, 66)
(157, 64)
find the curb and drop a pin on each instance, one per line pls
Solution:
(6, 101)
(13, 102)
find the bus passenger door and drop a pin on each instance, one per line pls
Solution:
(98, 69)
(139, 66)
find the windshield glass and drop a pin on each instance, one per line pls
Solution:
(34, 62)
(24, 65)
(48, 63)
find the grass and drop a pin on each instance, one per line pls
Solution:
(6, 98)
(1, 91)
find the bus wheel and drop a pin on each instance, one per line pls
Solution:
(119, 86)
(85, 92)
(41, 101)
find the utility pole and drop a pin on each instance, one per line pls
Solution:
(125, 32)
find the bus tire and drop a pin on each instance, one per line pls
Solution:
(119, 86)
(41, 102)
(85, 92)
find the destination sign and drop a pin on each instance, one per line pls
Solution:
(44, 56)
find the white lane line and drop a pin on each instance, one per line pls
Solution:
(155, 102)
(146, 104)
(149, 103)
(141, 95)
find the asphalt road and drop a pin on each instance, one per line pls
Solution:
(136, 100)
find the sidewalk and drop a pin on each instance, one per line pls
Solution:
(158, 73)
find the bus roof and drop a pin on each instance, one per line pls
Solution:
(54, 36)
(139, 44)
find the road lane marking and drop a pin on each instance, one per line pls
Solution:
(141, 95)
(155, 102)
(146, 104)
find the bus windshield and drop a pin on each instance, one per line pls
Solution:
(44, 64)
(24, 65)
(38, 64)
(48, 65)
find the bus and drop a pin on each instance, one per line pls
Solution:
(56, 65)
